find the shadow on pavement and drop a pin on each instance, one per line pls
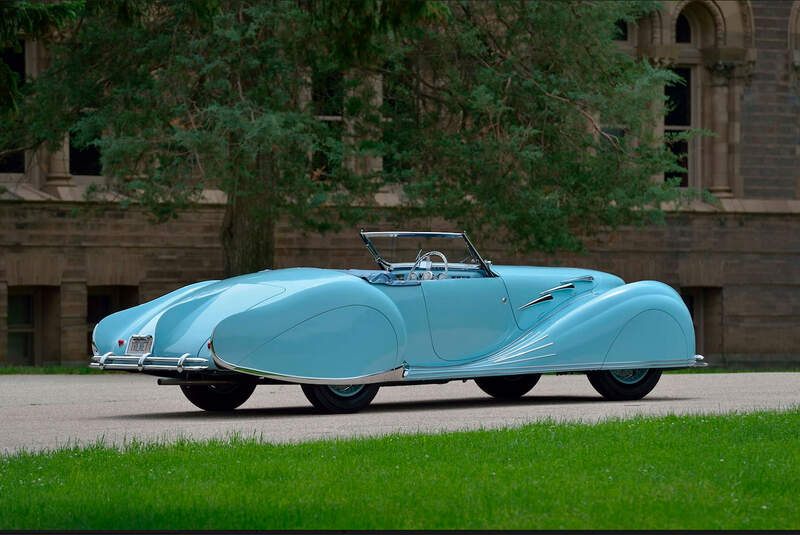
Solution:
(388, 407)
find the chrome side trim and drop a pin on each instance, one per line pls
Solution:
(536, 301)
(583, 278)
(395, 374)
(462, 372)
(567, 286)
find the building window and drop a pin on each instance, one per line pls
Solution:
(327, 93)
(705, 307)
(21, 329)
(327, 97)
(683, 30)
(622, 30)
(399, 105)
(105, 300)
(14, 58)
(679, 119)
(34, 325)
(84, 161)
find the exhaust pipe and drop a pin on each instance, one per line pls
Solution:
(180, 382)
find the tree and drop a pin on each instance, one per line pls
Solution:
(186, 96)
(494, 114)
(530, 123)
(32, 20)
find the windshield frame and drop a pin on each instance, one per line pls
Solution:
(388, 266)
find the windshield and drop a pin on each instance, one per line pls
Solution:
(393, 250)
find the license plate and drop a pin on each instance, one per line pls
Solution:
(138, 345)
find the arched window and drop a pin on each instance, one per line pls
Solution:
(683, 30)
(694, 30)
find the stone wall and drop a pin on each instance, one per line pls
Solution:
(770, 162)
(44, 245)
(744, 268)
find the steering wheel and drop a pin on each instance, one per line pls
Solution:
(428, 275)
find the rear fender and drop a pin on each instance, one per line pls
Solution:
(121, 325)
(343, 328)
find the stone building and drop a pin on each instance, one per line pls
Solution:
(736, 264)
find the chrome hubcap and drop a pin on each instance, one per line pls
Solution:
(346, 391)
(630, 376)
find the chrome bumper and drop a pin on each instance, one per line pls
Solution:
(148, 362)
(698, 362)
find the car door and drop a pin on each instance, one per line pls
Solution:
(469, 317)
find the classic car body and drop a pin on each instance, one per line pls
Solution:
(409, 322)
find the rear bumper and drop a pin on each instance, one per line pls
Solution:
(698, 362)
(149, 362)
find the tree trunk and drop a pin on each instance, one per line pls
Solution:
(248, 235)
(248, 230)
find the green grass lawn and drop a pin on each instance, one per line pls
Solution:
(701, 472)
(47, 370)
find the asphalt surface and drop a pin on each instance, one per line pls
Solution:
(47, 411)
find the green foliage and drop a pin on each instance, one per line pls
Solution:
(50, 370)
(495, 115)
(736, 471)
(177, 105)
(19, 18)
(530, 123)
(34, 19)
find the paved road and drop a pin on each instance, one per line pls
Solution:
(45, 411)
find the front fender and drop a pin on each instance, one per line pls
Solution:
(640, 324)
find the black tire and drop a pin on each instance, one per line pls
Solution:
(614, 389)
(508, 386)
(327, 399)
(225, 397)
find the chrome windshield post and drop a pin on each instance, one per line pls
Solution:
(374, 252)
(478, 257)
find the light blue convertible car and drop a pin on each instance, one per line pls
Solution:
(434, 312)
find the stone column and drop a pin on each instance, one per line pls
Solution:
(3, 323)
(59, 180)
(368, 164)
(720, 78)
(74, 347)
